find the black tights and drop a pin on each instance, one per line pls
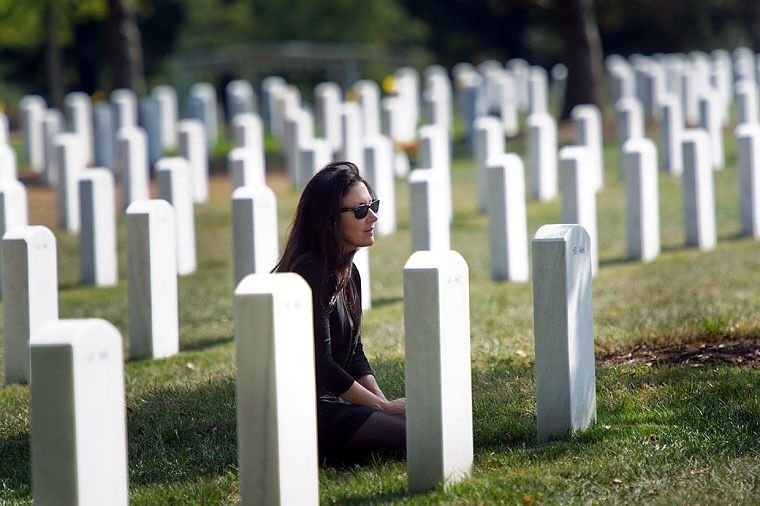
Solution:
(381, 431)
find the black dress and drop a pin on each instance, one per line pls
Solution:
(339, 360)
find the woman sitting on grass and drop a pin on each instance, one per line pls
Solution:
(335, 217)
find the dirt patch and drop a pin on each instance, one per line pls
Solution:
(742, 351)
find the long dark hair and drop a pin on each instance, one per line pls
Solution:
(315, 236)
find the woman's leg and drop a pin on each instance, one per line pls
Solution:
(381, 431)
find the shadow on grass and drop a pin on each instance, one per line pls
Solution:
(15, 468)
(386, 301)
(202, 344)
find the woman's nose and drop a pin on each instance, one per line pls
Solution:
(371, 216)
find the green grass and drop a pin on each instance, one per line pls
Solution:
(664, 434)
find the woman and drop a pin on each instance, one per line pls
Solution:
(336, 216)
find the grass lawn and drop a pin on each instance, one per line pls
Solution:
(668, 430)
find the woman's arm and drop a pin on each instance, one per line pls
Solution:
(359, 395)
(369, 382)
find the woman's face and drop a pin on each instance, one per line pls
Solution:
(357, 233)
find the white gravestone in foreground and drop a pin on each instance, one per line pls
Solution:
(508, 224)
(563, 323)
(313, 155)
(30, 288)
(542, 155)
(13, 212)
(588, 132)
(254, 230)
(748, 154)
(378, 156)
(361, 260)
(194, 150)
(488, 137)
(78, 107)
(70, 158)
(578, 198)
(698, 192)
(32, 112)
(52, 125)
(8, 166)
(152, 279)
(78, 415)
(173, 176)
(639, 160)
(132, 165)
(245, 167)
(672, 132)
(437, 369)
(98, 261)
(429, 226)
(710, 120)
(276, 410)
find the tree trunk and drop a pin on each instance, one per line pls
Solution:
(583, 53)
(124, 46)
(53, 54)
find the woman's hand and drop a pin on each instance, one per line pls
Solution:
(395, 407)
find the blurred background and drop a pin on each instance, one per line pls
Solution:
(53, 47)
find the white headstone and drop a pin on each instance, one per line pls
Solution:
(5, 134)
(152, 279)
(429, 226)
(672, 133)
(361, 260)
(271, 87)
(13, 212)
(434, 155)
(98, 260)
(327, 102)
(393, 119)
(150, 120)
(78, 107)
(52, 125)
(276, 405)
(30, 293)
(313, 155)
(195, 151)
(563, 323)
(507, 220)
(369, 103)
(630, 119)
(710, 122)
(8, 169)
(173, 175)
(489, 142)
(70, 157)
(298, 131)
(104, 134)
(240, 98)
(254, 230)
(508, 104)
(748, 155)
(578, 198)
(542, 155)
(246, 167)
(201, 105)
(538, 90)
(350, 120)
(747, 102)
(125, 108)
(248, 131)
(132, 165)
(166, 99)
(78, 416)
(378, 156)
(437, 369)
(698, 193)
(588, 132)
(32, 111)
(639, 161)
(472, 101)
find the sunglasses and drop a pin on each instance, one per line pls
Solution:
(361, 210)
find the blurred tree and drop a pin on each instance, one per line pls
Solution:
(582, 53)
(124, 46)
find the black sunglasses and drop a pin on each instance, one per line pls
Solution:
(361, 210)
